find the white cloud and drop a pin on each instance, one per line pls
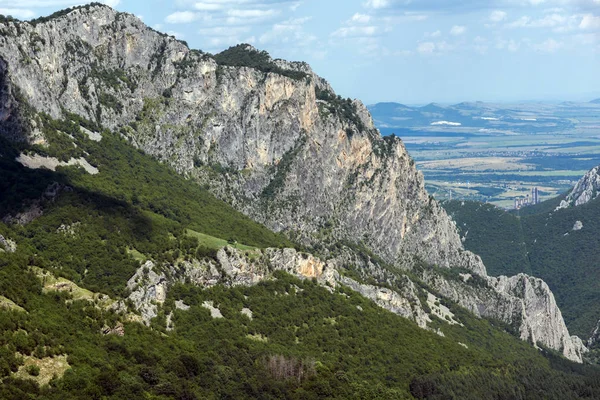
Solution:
(510, 45)
(251, 13)
(178, 35)
(20, 13)
(590, 21)
(355, 31)
(426, 48)
(519, 23)
(497, 16)
(361, 18)
(181, 17)
(224, 31)
(458, 30)
(435, 34)
(208, 6)
(288, 31)
(377, 4)
(548, 46)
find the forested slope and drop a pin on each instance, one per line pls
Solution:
(542, 242)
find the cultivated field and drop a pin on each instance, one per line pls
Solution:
(497, 153)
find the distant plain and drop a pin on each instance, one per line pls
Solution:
(496, 152)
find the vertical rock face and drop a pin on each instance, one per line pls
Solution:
(281, 147)
(295, 162)
(585, 189)
(595, 337)
(540, 318)
(524, 302)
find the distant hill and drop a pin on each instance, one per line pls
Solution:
(401, 119)
(595, 101)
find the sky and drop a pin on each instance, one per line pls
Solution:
(408, 51)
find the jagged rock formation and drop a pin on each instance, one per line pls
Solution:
(585, 189)
(595, 337)
(522, 301)
(7, 245)
(280, 146)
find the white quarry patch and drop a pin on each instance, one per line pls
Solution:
(247, 312)
(7, 245)
(214, 311)
(95, 136)
(169, 322)
(258, 337)
(465, 277)
(463, 345)
(578, 225)
(37, 161)
(449, 123)
(180, 305)
(440, 310)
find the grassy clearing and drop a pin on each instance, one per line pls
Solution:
(7, 304)
(49, 367)
(53, 284)
(136, 255)
(214, 242)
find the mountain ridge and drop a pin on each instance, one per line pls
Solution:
(284, 150)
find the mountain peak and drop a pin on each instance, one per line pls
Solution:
(585, 190)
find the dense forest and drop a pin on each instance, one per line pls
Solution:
(542, 242)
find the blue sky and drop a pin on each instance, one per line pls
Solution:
(410, 51)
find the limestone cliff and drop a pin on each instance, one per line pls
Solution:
(294, 155)
(275, 142)
(585, 189)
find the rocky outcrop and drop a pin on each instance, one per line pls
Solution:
(149, 285)
(585, 189)
(524, 302)
(521, 301)
(595, 337)
(403, 302)
(7, 245)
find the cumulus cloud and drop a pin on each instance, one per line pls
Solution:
(377, 4)
(590, 21)
(548, 21)
(355, 31)
(26, 9)
(182, 17)
(498, 16)
(20, 13)
(458, 30)
(548, 46)
(208, 6)
(361, 18)
(287, 31)
(434, 34)
(426, 47)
